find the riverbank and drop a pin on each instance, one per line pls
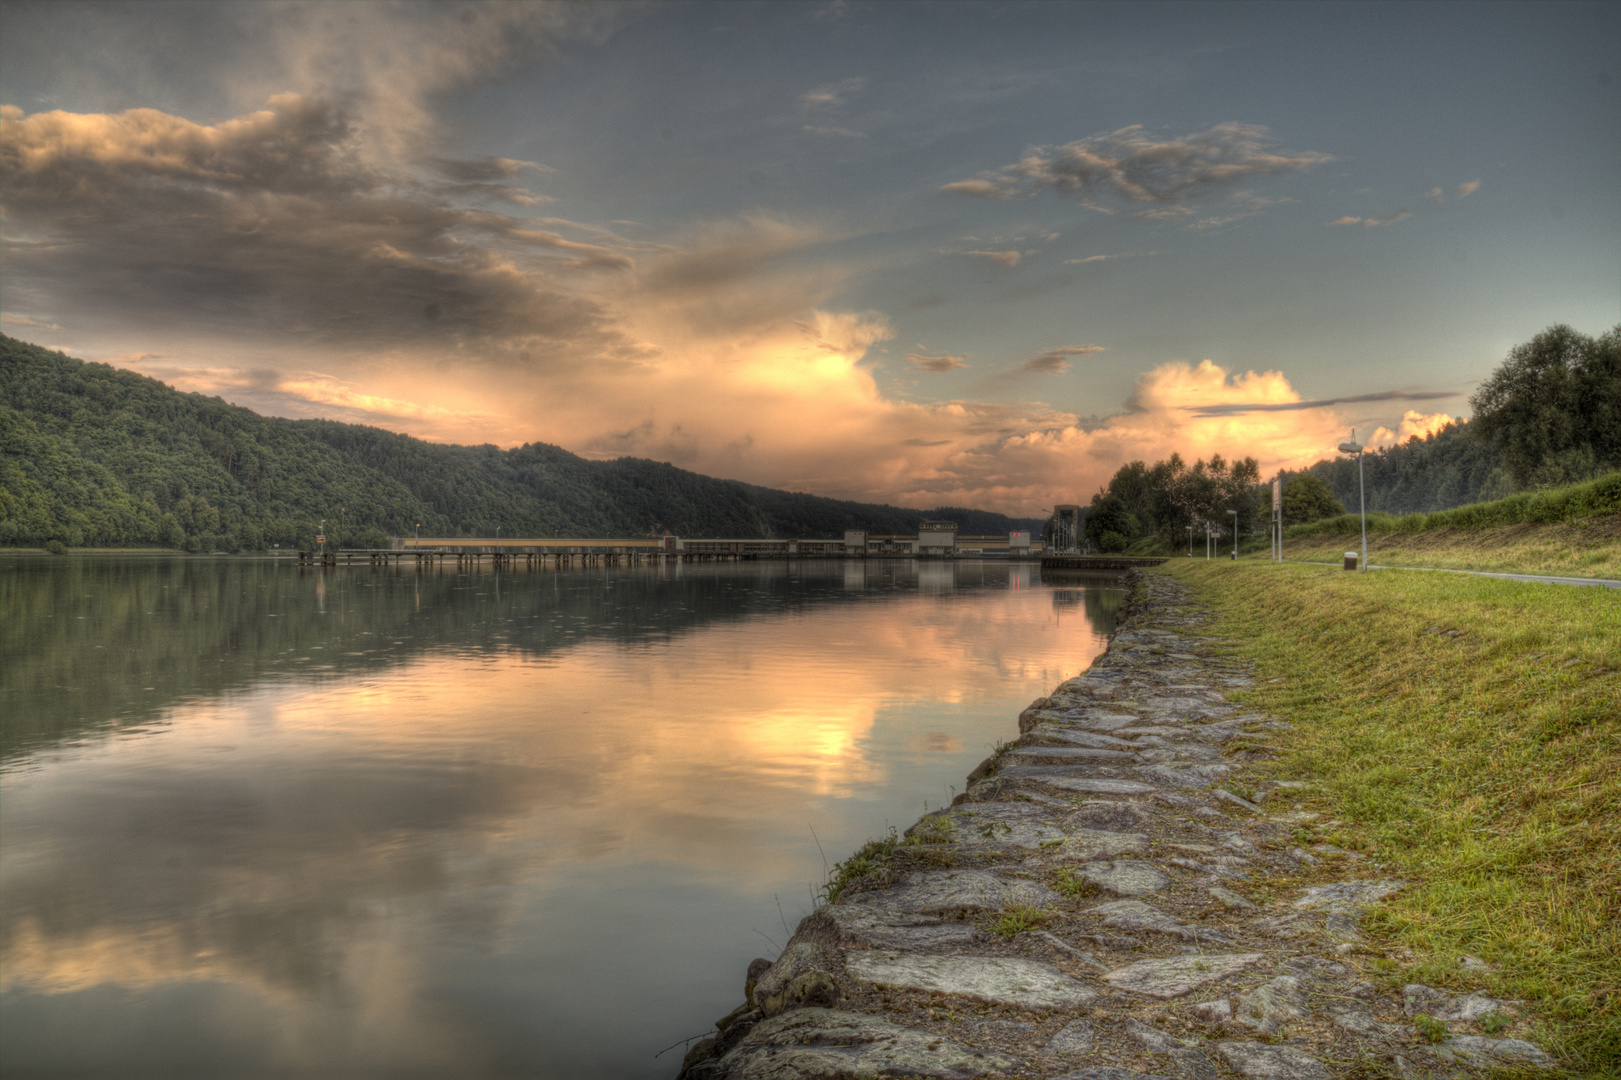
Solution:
(1131, 889)
(1585, 547)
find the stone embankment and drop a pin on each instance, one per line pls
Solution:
(1113, 898)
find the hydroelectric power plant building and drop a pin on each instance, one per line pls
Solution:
(934, 540)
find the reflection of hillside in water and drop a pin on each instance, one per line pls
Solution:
(104, 643)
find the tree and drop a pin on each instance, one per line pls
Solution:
(1307, 498)
(1109, 525)
(1553, 407)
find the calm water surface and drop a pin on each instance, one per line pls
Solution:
(258, 821)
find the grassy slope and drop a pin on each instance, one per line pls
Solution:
(1467, 732)
(1587, 547)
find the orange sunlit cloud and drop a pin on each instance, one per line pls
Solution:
(1413, 424)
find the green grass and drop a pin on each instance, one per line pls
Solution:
(1483, 766)
(1595, 498)
(1587, 547)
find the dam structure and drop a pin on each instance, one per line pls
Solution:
(933, 540)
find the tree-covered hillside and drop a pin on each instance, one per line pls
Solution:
(1449, 468)
(1550, 414)
(95, 455)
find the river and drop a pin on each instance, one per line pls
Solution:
(258, 820)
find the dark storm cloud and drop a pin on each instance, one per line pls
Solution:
(1240, 408)
(1130, 166)
(275, 223)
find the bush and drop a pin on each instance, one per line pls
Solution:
(55, 547)
(1111, 543)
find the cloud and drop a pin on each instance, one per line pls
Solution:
(1466, 189)
(1109, 258)
(1005, 258)
(843, 133)
(1240, 408)
(24, 320)
(275, 220)
(1373, 222)
(832, 96)
(1129, 166)
(925, 362)
(313, 257)
(1056, 361)
(1241, 205)
(979, 189)
(1414, 424)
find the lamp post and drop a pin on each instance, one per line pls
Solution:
(1190, 541)
(1353, 447)
(1235, 534)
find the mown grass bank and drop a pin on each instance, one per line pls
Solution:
(1584, 547)
(1467, 731)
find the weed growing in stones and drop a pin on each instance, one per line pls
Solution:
(1430, 1029)
(1016, 920)
(872, 855)
(1076, 887)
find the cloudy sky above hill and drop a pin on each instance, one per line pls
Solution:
(969, 254)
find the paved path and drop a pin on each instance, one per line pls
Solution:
(1604, 583)
(1112, 899)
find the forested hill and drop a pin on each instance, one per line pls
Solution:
(1549, 415)
(1438, 472)
(95, 455)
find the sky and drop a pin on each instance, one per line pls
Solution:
(926, 254)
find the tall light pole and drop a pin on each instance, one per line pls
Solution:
(1235, 534)
(1352, 447)
(1190, 541)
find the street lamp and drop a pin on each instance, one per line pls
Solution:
(1190, 541)
(1235, 534)
(1361, 491)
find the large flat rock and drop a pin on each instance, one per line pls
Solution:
(1177, 975)
(1026, 754)
(1065, 733)
(1111, 815)
(1089, 844)
(1261, 1062)
(1073, 779)
(1124, 877)
(937, 891)
(1481, 1052)
(1099, 719)
(1001, 980)
(1346, 897)
(810, 1044)
(1019, 823)
(874, 926)
(1145, 918)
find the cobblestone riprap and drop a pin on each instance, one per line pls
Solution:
(1113, 898)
